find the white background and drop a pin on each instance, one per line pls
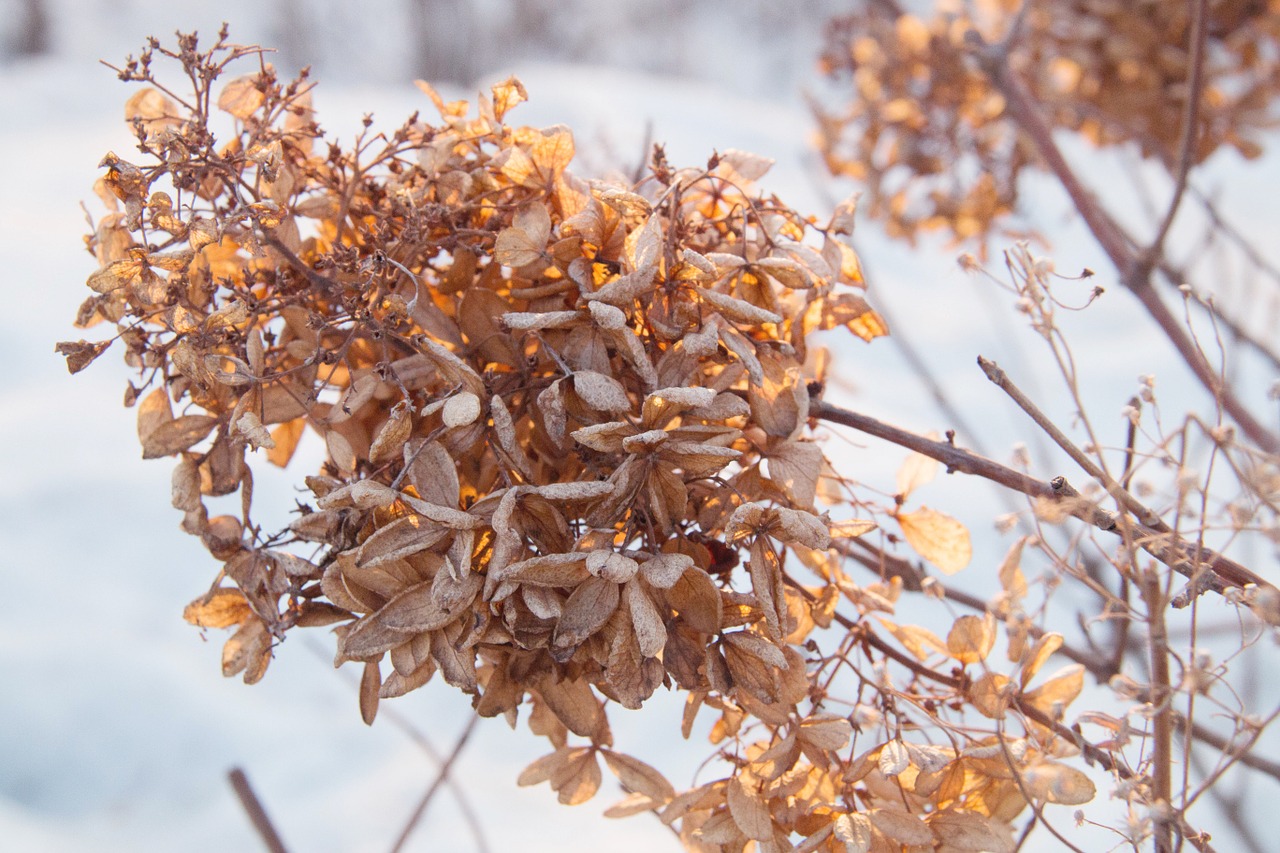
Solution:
(116, 729)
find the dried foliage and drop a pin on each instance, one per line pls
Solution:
(570, 461)
(934, 142)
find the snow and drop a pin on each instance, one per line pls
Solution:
(117, 727)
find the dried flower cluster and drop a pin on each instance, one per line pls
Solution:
(932, 139)
(568, 455)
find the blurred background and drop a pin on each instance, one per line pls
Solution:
(116, 728)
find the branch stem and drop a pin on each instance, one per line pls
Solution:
(441, 777)
(1134, 271)
(1168, 547)
(254, 809)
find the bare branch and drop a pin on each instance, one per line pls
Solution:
(1134, 273)
(257, 814)
(441, 776)
(1190, 126)
(1166, 546)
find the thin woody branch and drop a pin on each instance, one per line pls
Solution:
(891, 566)
(1186, 558)
(1122, 495)
(1190, 124)
(888, 565)
(442, 776)
(538, 487)
(257, 814)
(1091, 752)
(1135, 271)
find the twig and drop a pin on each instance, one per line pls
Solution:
(1190, 127)
(1225, 746)
(1036, 808)
(441, 776)
(1122, 495)
(890, 566)
(1185, 559)
(1167, 547)
(424, 743)
(1232, 810)
(1153, 596)
(257, 814)
(922, 372)
(1134, 273)
(1235, 327)
(1130, 446)
(1092, 754)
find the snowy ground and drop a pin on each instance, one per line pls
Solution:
(116, 729)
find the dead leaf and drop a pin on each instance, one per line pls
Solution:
(525, 241)
(938, 538)
(460, 410)
(639, 777)
(177, 435)
(826, 731)
(854, 832)
(1052, 782)
(749, 809)
(795, 466)
(574, 705)
(577, 779)
(1058, 692)
(507, 94)
(586, 611)
(967, 830)
(222, 608)
(971, 638)
(1044, 648)
(241, 97)
(247, 651)
(901, 826)
(921, 642)
(370, 683)
(1010, 573)
(894, 758)
(80, 354)
(990, 695)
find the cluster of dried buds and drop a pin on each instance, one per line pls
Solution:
(931, 137)
(566, 432)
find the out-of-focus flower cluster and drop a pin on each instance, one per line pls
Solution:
(930, 136)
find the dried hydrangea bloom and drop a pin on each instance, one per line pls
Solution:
(931, 137)
(568, 453)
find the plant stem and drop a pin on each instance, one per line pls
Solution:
(1135, 272)
(1160, 698)
(1168, 547)
(257, 814)
(436, 784)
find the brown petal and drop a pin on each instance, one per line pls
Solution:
(177, 435)
(574, 704)
(651, 633)
(222, 608)
(697, 601)
(370, 682)
(749, 809)
(971, 638)
(938, 538)
(587, 609)
(637, 776)
(400, 538)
